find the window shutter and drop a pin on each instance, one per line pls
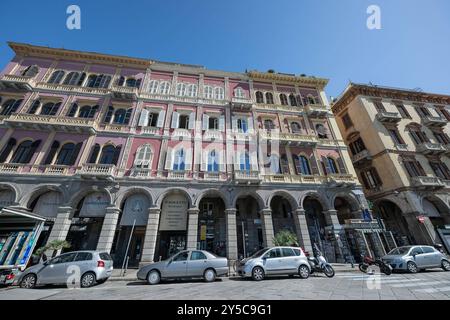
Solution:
(234, 126)
(188, 159)
(254, 161)
(204, 157)
(221, 158)
(341, 165)
(205, 122)
(169, 159)
(161, 116)
(75, 153)
(175, 120)
(143, 119)
(313, 164)
(116, 155)
(191, 120)
(250, 124)
(222, 123)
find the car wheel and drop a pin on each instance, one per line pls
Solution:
(258, 273)
(303, 271)
(87, 280)
(412, 267)
(153, 277)
(29, 281)
(445, 265)
(209, 275)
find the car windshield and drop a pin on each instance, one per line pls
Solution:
(400, 250)
(258, 253)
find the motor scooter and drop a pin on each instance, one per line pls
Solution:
(368, 261)
(318, 263)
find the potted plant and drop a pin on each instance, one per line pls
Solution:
(286, 238)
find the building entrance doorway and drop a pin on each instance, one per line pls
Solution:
(170, 243)
(248, 227)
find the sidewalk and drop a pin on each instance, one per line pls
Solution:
(131, 273)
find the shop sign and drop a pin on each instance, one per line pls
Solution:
(203, 232)
(174, 213)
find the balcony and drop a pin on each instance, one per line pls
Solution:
(242, 104)
(177, 175)
(278, 107)
(75, 89)
(317, 110)
(150, 131)
(341, 180)
(97, 171)
(247, 177)
(142, 173)
(430, 121)
(294, 179)
(21, 83)
(427, 182)
(390, 117)
(116, 127)
(292, 139)
(213, 135)
(124, 93)
(429, 148)
(14, 168)
(401, 147)
(49, 123)
(362, 158)
(214, 176)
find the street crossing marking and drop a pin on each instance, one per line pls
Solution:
(429, 283)
(396, 280)
(433, 290)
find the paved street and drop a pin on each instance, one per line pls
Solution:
(345, 285)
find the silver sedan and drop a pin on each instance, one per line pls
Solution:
(415, 258)
(185, 264)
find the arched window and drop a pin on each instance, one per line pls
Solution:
(295, 127)
(269, 98)
(33, 108)
(292, 100)
(56, 77)
(302, 165)
(98, 81)
(7, 149)
(332, 165)
(108, 115)
(143, 157)
(122, 116)
(181, 89)
(268, 125)
(25, 151)
(213, 163)
(321, 131)
(219, 93)
(164, 87)
(50, 108)
(311, 99)
(94, 153)
(10, 106)
(208, 92)
(68, 154)
(283, 99)
(244, 162)
(74, 79)
(73, 110)
(88, 111)
(110, 154)
(121, 81)
(284, 164)
(259, 97)
(239, 93)
(153, 86)
(179, 160)
(242, 125)
(31, 71)
(192, 90)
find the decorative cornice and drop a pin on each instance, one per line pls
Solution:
(288, 79)
(23, 49)
(353, 90)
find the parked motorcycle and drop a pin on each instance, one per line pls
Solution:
(368, 261)
(318, 263)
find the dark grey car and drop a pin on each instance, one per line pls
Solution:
(185, 264)
(416, 258)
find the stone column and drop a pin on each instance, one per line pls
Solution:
(108, 229)
(335, 228)
(302, 229)
(267, 224)
(192, 232)
(231, 234)
(151, 233)
(61, 226)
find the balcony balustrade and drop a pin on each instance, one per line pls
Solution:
(427, 182)
(429, 148)
(317, 110)
(391, 117)
(294, 179)
(74, 89)
(431, 121)
(244, 104)
(341, 179)
(124, 93)
(294, 139)
(16, 82)
(100, 171)
(177, 175)
(361, 157)
(247, 177)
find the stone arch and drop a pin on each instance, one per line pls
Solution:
(214, 193)
(38, 191)
(253, 194)
(315, 195)
(123, 195)
(74, 200)
(10, 187)
(439, 204)
(284, 194)
(168, 191)
(349, 197)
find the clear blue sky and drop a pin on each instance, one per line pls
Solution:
(326, 38)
